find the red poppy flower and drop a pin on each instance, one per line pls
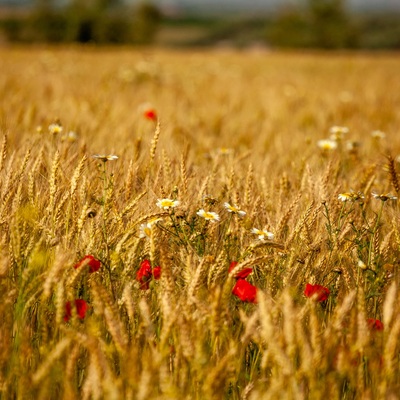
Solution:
(150, 114)
(144, 274)
(244, 273)
(318, 292)
(157, 272)
(94, 264)
(374, 324)
(245, 291)
(81, 308)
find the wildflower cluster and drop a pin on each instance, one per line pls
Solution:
(243, 289)
(316, 292)
(146, 272)
(81, 306)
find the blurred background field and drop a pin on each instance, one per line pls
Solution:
(252, 100)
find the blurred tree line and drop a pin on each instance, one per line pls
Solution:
(88, 21)
(322, 24)
(326, 24)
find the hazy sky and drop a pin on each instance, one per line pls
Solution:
(264, 4)
(241, 4)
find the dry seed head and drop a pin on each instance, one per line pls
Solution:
(59, 215)
(343, 311)
(390, 352)
(197, 280)
(60, 302)
(77, 175)
(31, 176)
(130, 207)
(81, 220)
(250, 324)
(23, 165)
(300, 224)
(389, 305)
(72, 362)
(54, 273)
(217, 269)
(129, 180)
(362, 328)
(249, 263)
(3, 151)
(247, 390)
(393, 176)
(289, 323)
(116, 328)
(149, 217)
(91, 388)
(184, 176)
(72, 275)
(186, 334)
(369, 184)
(10, 176)
(231, 184)
(102, 296)
(376, 245)
(153, 247)
(285, 218)
(53, 356)
(167, 167)
(218, 376)
(145, 383)
(326, 179)
(385, 248)
(248, 192)
(53, 180)
(167, 279)
(154, 142)
(16, 203)
(146, 317)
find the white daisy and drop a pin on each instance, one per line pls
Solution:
(384, 196)
(234, 209)
(208, 215)
(351, 196)
(166, 204)
(352, 146)
(361, 264)
(55, 128)
(146, 228)
(105, 158)
(327, 144)
(339, 130)
(263, 234)
(71, 136)
(378, 134)
(224, 151)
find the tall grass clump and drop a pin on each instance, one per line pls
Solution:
(198, 225)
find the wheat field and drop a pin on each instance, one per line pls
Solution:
(236, 235)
